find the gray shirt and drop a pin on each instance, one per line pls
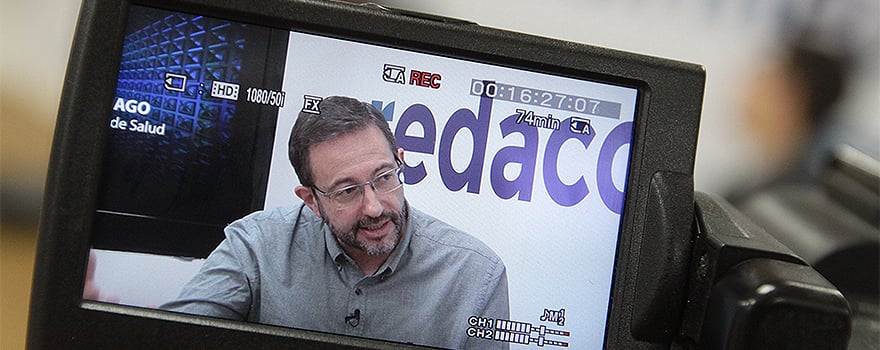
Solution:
(283, 267)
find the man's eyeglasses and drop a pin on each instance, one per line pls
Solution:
(386, 182)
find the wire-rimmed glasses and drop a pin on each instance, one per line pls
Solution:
(385, 182)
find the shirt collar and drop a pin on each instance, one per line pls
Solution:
(391, 264)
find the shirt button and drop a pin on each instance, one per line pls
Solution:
(358, 291)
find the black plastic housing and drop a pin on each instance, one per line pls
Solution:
(748, 291)
(661, 170)
(772, 304)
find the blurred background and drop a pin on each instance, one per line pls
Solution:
(35, 39)
(786, 81)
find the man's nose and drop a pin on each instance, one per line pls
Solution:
(372, 204)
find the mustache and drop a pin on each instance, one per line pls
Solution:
(396, 217)
(372, 221)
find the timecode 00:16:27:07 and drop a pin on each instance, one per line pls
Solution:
(537, 97)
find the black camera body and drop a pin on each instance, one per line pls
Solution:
(760, 294)
(732, 286)
(574, 162)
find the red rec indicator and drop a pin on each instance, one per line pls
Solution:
(425, 79)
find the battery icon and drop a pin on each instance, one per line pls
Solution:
(175, 82)
(580, 125)
(221, 89)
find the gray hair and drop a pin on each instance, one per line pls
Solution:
(338, 116)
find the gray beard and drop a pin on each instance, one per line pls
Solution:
(348, 237)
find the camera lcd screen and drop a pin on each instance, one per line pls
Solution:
(532, 165)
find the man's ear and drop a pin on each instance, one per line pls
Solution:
(308, 197)
(400, 155)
